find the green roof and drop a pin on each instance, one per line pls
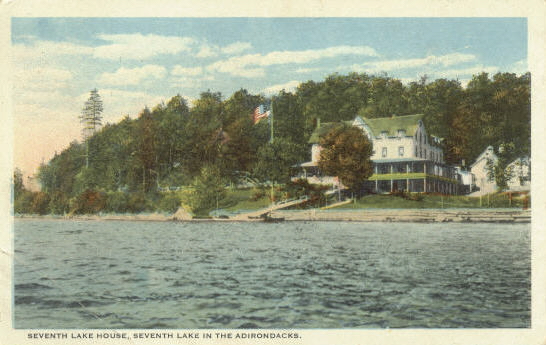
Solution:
(323, 129)
(391, 125)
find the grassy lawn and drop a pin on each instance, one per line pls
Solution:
(495, 200)
(242, 199)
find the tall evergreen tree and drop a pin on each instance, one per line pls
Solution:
(91, 118)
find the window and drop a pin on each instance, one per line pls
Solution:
(384, 152)
(425, 157)
(416, 153)
(401, 133)
(401, 151)
(383, 134)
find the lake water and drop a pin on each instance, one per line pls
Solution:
(106, 274)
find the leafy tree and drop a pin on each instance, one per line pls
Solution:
(23, 203)
(86, 179)
(492, 112)
(204, 133)
(137, 202)
(346, 153)
(18, 186)
(288, 118)
(170, 202)
(22, 198)
(237, 151)
(512, 104)
(498, 170)
(239, 106)
(147, 141)
(171, 122)
(58, 203)
(40, 203)
(88, 202)
(61, 171)
(415, 95)
(336, 98)
(275, 163)
(385, 98)
(117, 202)
(240, 138)
(208, 190)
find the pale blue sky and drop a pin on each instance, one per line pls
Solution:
(141, 61)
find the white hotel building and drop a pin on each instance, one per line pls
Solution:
(405, 157)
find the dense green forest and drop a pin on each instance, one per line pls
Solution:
(214, 142)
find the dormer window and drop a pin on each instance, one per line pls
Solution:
(384, 134)
(401, 133)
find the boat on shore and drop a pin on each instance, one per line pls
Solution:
(267, 218)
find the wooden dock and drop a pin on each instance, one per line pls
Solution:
(262, 213)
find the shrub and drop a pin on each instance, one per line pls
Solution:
(170, 202)
(88, 202)
(257, 194)
(137, 202)
(117, 202)
(40, 203)
(408, 196)
(300, 188)
(58, 204)
(23, 202)
(208, 191)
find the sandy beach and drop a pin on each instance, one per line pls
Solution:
(409, 215)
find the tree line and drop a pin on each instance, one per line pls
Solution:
(214, 142)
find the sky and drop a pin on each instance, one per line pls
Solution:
(138, 62)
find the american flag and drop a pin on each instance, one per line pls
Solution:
(260, 113)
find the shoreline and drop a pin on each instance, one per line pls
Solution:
(339, 215)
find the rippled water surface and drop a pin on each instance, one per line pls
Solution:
(71, 274)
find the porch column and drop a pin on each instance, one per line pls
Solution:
(425, 185)
(376, 187)
(391, 181)
(407, 185)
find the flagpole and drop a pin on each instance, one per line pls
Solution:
(271, 122)
(271, 142)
